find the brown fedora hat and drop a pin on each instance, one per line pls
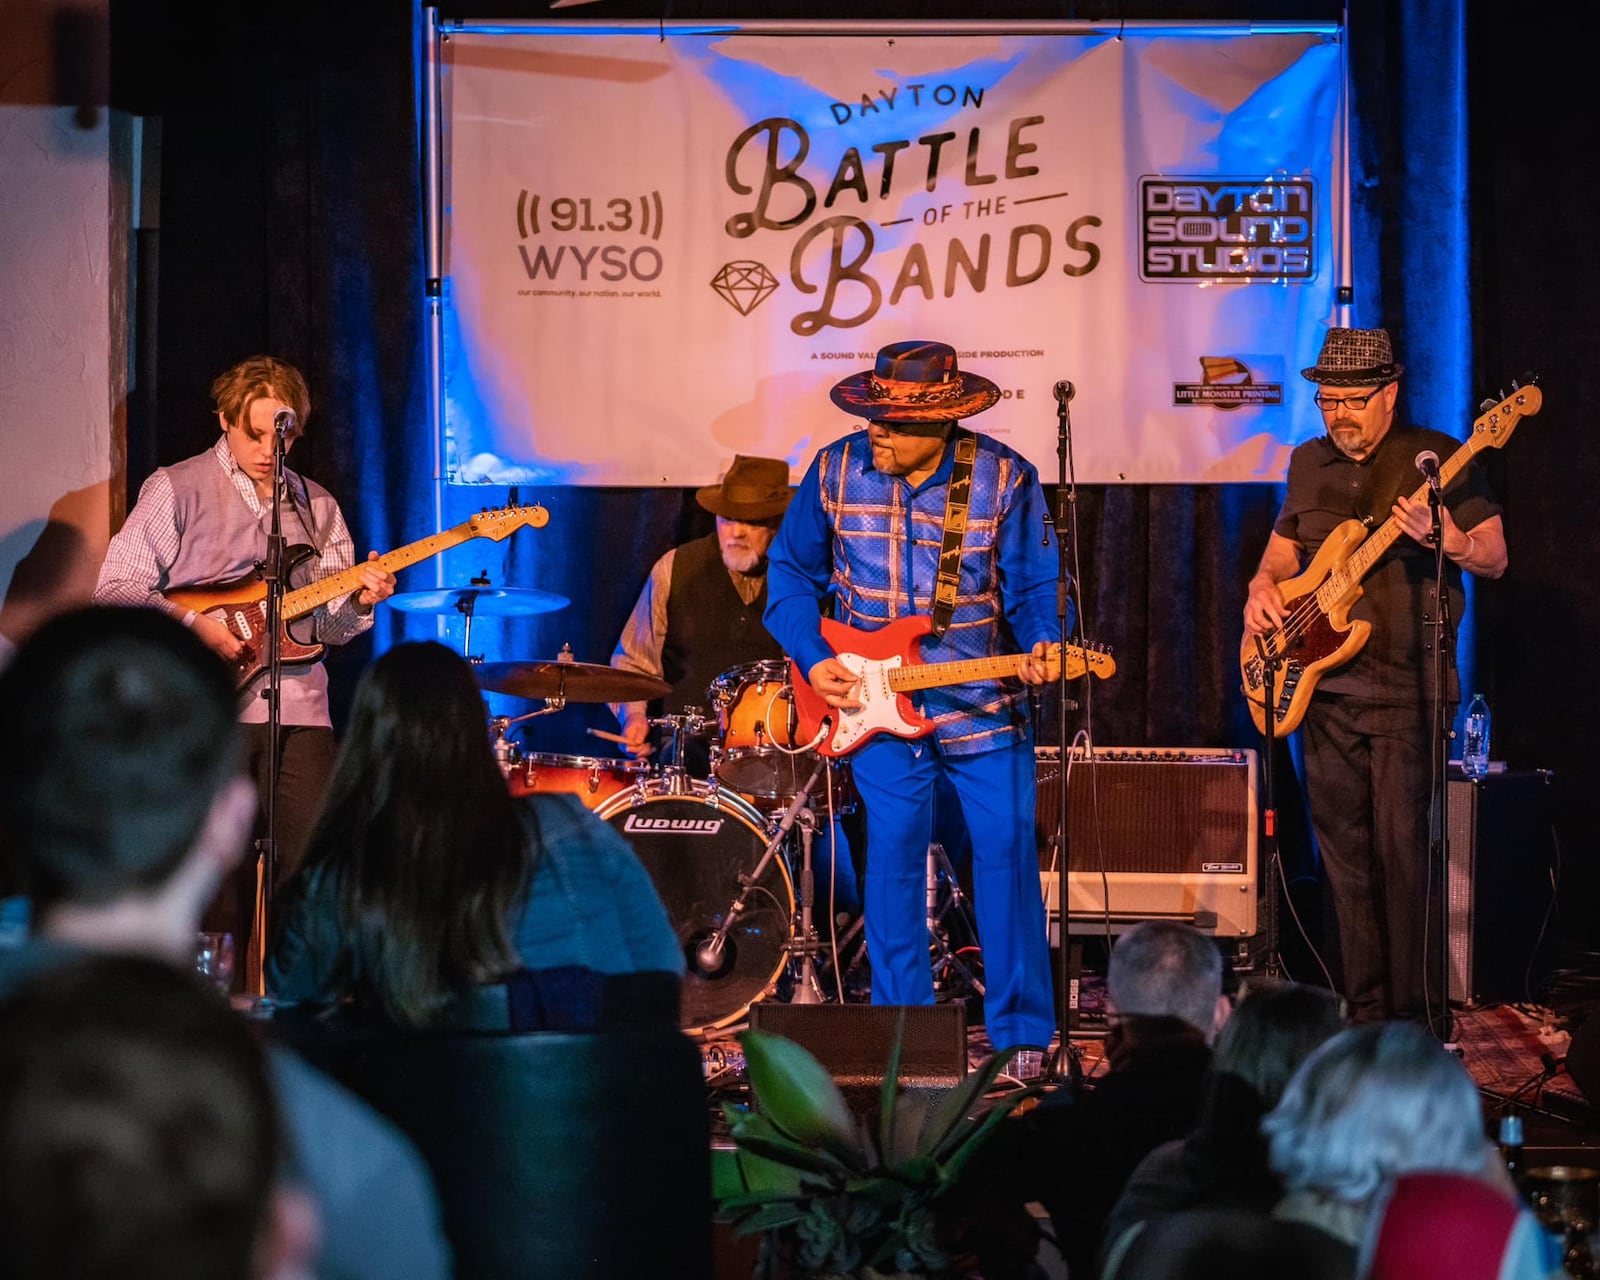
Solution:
(915, 382)
(753, 489)
(1355, 358)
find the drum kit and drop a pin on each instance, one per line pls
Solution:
(730, 854)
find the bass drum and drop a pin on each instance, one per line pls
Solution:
(697, 847)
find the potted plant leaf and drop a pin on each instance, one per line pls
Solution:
(833, 1197)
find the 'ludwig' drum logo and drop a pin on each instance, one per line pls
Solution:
(678, 826)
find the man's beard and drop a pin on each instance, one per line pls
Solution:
(741, 559)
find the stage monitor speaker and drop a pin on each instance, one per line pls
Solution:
(853, 1040)
(1173, 829)
(1502, 861)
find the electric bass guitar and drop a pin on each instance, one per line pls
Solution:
(1317, 632)
(241, 605)
(888, 662)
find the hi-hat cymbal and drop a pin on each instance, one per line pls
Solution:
(484, 602)
(574, 681)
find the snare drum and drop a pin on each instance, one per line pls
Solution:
(698, 848)
(756, 716)
(592, 779)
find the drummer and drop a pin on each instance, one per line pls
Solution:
(700, 611)
(699, 614)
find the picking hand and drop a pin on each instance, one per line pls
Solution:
(834, 683)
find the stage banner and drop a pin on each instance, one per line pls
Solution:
(661, 253)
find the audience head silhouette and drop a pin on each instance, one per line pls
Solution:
(138, 1132)
(121, 757)
(421, 839)
(1160, 968)
(1374, 1102)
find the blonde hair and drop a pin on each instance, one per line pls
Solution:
(236, 389)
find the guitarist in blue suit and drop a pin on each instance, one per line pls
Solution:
(863, 541)
(1368, 732)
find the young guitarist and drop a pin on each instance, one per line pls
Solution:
(204, 521)
(1368, 733)
(877, 514)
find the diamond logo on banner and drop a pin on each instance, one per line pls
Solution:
(744, 285)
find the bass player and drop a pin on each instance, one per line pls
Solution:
(1368, 723)
(204, 521)
(864, 538)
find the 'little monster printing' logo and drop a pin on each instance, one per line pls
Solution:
(1226, 383)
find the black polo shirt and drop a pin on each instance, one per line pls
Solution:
(1326, 488)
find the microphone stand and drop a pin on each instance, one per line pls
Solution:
(1067, 1005)
(272, 570)
(1270, 859)
(1444, 647)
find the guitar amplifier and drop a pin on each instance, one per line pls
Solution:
(1172, 829)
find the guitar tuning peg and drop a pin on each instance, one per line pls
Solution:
(1515, 385)
(1488, 404)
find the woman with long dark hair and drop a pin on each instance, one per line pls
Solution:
(425, 881)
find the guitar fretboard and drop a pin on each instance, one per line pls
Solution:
(1344, 578)
(302, 600)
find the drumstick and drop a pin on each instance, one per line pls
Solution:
(609, 737)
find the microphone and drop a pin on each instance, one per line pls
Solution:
(283, 422)
(1427, 463)
(1064, 391)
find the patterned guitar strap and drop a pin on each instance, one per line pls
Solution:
(957, 500)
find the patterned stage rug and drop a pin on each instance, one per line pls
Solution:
(1505, 1047)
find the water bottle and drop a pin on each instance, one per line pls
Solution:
(1511, 1151)
(1475, 747)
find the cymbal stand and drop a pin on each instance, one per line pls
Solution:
(707, 956)
(804, 943)
(946, 961)
(504, 749)
(465, 607)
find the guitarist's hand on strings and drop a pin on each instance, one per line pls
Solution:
(834, 683)
(1035, 668)
(1416, 522)
(377, 584)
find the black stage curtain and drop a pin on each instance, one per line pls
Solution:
(291, 221)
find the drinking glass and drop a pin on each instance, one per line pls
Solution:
(213, 958)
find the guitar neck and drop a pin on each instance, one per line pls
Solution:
(932, 675)
(302, 600)
(1383, 537)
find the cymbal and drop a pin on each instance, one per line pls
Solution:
(485, 602)
(574, 681)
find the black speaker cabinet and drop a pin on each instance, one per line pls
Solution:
(1173, 830)
(853, 1040)
(1502, 861)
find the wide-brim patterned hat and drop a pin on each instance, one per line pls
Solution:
(1355, 358)
(753, 489)
(915, 382)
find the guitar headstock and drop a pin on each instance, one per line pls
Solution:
(1093, 659)
(1494, 427)
(496, 523)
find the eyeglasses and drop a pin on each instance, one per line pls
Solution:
(1349, 402)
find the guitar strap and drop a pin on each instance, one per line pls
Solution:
(958, 498)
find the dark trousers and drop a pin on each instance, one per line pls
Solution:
(305, 763)
(1368, 779)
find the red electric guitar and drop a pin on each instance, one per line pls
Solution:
(889, 663)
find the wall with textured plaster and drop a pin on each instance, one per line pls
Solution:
(63, 293)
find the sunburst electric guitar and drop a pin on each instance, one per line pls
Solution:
(1317, 632)
(890, 665)
(241, 605)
